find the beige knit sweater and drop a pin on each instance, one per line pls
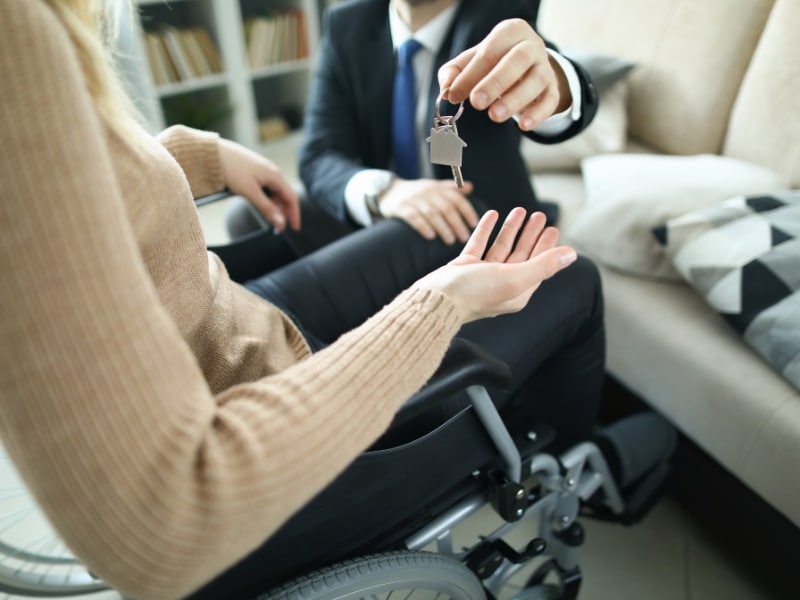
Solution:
(166, 419)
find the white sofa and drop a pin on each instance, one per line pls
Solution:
(719, 78)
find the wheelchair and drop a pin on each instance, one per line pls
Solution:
(411, 493)
(420, 491)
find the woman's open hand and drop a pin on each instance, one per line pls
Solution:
(501, 279)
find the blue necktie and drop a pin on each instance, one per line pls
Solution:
(404, 103)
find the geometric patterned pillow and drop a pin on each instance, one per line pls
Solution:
(743, 257)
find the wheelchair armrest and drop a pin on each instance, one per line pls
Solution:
(212, 197)
(465, 364)
(254, 253)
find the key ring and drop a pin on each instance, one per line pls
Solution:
(447, 118)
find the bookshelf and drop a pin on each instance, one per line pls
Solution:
(239, 67)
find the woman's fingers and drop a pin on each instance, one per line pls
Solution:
(548, 239)
(477, 242)
(529, 238)
(517, 241)
(504, 281)
(503, 244)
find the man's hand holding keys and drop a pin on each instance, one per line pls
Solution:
(509, 73)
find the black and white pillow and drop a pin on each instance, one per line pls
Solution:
(743, 257)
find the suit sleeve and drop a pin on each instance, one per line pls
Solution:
(589, 99)
(329, 155)
(589, 105)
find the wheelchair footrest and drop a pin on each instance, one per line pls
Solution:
(487, 557)
(638, 498)
(638, 450)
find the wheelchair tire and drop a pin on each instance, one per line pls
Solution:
(34, 562)
(405, 574)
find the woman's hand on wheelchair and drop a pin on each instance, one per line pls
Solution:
(247, 173)
(486, 281)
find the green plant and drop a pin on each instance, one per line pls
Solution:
(196, 112)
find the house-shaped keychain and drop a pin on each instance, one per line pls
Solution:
(446, 146)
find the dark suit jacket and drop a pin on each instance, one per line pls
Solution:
(348, 118)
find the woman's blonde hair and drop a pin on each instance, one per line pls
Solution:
(92, 28)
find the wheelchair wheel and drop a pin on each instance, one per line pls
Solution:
(546, 583)
(407, 575)
(34, 562)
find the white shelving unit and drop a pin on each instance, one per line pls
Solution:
(235, 100)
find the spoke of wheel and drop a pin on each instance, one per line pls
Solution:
(47, 571)
(49, 566)
(29, 552)
(25, 510)
(37, 547)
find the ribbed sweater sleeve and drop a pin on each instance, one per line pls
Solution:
(155, 483)
(197, 152)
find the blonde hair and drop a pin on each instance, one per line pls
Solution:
(92, 28)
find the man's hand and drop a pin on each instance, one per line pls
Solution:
(486, 283)
(509, 73)
(432, 207)
(246, 173)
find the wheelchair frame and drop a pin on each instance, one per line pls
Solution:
(539, 486)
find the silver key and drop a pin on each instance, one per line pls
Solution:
(445, 145)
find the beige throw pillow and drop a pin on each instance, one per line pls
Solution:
(629, 194)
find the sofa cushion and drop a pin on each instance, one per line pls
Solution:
(608, 130)
(629, 194)
(670, 348)
(605, 70)
(606, 133)
(691, 57)
(742, 257)
(765, 121)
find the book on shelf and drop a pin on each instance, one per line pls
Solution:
(181, 54)
(209, 50)
(194, 53)
(276, 37)
(157, 60)
(176, 53)
(272, 128)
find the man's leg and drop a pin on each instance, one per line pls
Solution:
(338, 287)
(555, 347)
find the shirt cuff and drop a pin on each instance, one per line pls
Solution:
(368, 181)
(560, 122)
